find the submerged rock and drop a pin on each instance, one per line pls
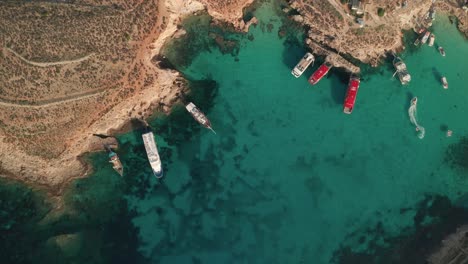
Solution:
(297, 18)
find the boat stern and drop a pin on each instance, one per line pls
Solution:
(347, 110)
(295, 74)
(158, 174)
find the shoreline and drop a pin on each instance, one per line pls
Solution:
(60, 205)
(162, 94)
(333, 34)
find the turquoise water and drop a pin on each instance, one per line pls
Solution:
(289, 178)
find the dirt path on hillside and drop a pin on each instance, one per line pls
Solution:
(47, 64)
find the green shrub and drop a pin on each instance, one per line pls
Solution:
(381, 11)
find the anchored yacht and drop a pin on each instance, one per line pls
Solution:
(153, 154)
(303, 64)
(114, 160)
(199, 116)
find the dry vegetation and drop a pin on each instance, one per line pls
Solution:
(64, 65)
(72, 68)
(68, 69)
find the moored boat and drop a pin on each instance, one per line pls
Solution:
(401, 70)
(319, 73)
(414, 101)
(153, 154)
(303, 64)
(431, 40)
(442, 51)
(350, 98)
(417, 42)
(444, 82)
(114, 160)
(199, 116)
(425, 37)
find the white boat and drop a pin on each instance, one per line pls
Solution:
(425, 37)
(114, 160)
(444, 82)
(401, 70)
(431, 40)
(153, 154)
(199, 116)
(442, 51)
(303, 64)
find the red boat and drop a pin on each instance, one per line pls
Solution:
(353, 87)
(319, 73)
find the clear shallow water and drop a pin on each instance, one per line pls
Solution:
(289, 178)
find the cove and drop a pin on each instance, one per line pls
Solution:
(289, 178)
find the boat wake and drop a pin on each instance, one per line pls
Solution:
(412, 112)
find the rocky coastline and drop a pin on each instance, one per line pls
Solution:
(339, 30)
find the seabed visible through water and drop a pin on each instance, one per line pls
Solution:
(289, 178)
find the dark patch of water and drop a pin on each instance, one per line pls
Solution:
(294, 52)
(201, 35)
(181, 51)
(339, 85)
(456, 154)
(412, 245)
(437, 75)
(20, 210)
(409, 36)
(96, 224)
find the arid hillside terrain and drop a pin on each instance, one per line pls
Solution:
(69, 69)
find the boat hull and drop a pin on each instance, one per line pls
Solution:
(153, 154)
(442, 51)
(319, 73)
(198, 115)
(444, 82)
(303, 64)
(116, 164)
(401, 70)
(351, 93)
(425, 37)
(431, 40)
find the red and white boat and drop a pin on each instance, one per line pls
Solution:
(350, 98)
(319, 73)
